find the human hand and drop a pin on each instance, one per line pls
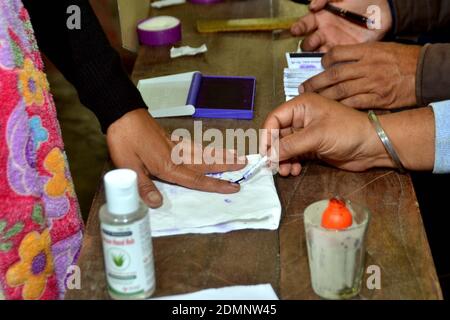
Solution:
(137, 142)
(324, 30)
(311, 126)
(371, 75)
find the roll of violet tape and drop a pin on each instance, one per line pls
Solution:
(205, 1)
(159, 31)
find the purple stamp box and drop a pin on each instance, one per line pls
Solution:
(222, 97)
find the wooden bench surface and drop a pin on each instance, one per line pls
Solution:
(397, 242)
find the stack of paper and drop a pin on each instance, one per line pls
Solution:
(255, 292)
(301, 67)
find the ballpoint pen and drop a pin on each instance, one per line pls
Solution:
(350, 16)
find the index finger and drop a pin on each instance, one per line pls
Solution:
(219, 167)
(186, 177)
(304, 25)
(298, 144)
(218, 160)
(332, 76)
(290, 114)
(339, 54)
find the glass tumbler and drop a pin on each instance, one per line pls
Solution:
(336, 257)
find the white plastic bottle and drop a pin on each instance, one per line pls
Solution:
(126, 235)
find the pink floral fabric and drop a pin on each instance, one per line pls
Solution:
(40, 224)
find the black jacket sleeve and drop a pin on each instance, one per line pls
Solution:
(85, 57)
(412, 17)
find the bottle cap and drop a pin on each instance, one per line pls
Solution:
(121, 191)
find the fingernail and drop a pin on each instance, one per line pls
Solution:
(301, 89)
(312, 5)
(235, 185)
(154, 197)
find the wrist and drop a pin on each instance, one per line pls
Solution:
(412, 135)
(379, 157)
(127, 118)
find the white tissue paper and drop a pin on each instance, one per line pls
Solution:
(255, 292)
(187, 51)
(166, 3)
(255, 206)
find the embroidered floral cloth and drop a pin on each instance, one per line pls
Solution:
(40, 224)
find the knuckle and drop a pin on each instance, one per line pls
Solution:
(308, 42)
(308, 86)
(387, 92)
(367, 102)
(165, 169)
(287, 146)
(333, 74)
(156, 171)
(357, 102)
(198, 180)
(341, 90)
(368, 51)
(331, 55)
(171, 168)
(301, 25)
(145, 184)
(389, 100)
(354, 102)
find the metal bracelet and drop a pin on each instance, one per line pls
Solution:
(385, 140)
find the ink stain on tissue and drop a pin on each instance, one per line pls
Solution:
(227, 200)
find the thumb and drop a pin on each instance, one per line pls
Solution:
(148, 191)
(298, 144)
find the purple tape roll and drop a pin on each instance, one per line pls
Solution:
(159, 31)
(205, 1)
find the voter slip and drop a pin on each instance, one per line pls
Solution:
(301, 67)
(198, 95)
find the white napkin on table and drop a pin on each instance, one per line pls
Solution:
(187, 51)
(255, 292)
(255, 206)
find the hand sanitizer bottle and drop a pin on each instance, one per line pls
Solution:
(127, 240)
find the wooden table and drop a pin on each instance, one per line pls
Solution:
(397, 242)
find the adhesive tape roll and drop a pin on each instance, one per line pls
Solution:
(159, 31)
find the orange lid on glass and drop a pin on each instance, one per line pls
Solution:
(337, 216)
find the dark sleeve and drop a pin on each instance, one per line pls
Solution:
(85, 57)
(432, 77)
(411, 17)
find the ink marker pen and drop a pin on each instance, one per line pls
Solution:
(254, 168)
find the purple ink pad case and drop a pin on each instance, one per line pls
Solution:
(200, 96)
(222, 97)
